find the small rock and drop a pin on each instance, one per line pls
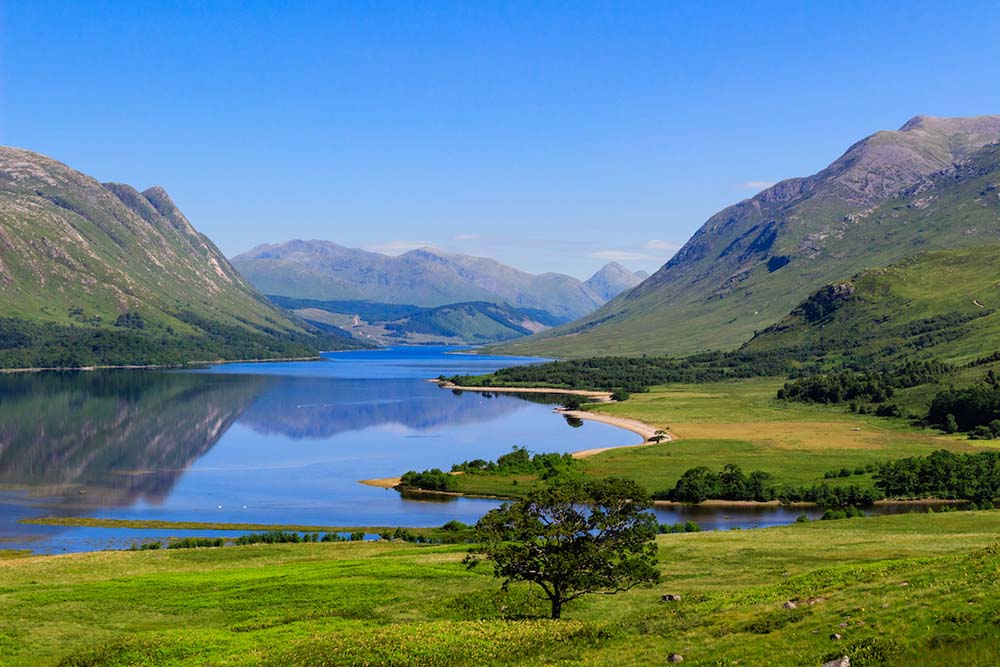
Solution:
(904, 583)
(675, 657)
(790, 605)
(843, 625)
(670, 597)
(842, 661)
(835, 636)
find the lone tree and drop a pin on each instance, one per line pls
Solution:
(572, 538)
(658, 436)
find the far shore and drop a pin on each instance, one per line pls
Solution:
(186, 364)
(777, 503)
(598, 396)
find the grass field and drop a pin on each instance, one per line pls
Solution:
(898, 589)
(742, 422)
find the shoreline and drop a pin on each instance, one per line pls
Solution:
(722, 504)
(145, 367)
(598, 396)
(642, 429)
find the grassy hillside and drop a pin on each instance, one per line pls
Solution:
(890, 196)
(898, 590)
(97, 273)
(942, 304)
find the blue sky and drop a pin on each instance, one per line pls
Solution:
(550, 135)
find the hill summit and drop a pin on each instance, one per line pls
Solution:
(102, 274)
(888, 196)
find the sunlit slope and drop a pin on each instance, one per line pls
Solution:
(76, 254)
(942, 304)
(930, 185)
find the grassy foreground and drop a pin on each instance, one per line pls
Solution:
(897, 589)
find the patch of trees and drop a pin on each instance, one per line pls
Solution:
(975, 409)
(434, 479)
(850, 512)
(700, 484)
(685, 527)
(847, 472)
(864, 387)
(838, 387)
(731, 483)
(135, 341)
(130, 320)
(519, 461)
(637, 374)
(943, 474)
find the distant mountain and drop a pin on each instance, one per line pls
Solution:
(613, 279)
(426, 277)
(96, 274)
(930, 185)
(474, 322)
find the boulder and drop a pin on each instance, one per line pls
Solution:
(670, 597)
(842, 661)
(790, 605)
(835, 636)
(675, 657)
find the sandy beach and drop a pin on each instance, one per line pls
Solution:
(597, 396)
(642, 429)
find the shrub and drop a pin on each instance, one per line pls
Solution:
(434, 479)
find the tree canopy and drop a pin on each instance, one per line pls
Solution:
(572, 538)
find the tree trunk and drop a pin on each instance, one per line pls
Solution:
(556, 608)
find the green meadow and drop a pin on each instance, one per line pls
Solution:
(899, 590)
(743, 423)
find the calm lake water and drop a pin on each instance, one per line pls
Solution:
(268, 443)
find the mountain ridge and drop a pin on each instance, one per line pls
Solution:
(752, 262)
(101, 274)
(426, 277)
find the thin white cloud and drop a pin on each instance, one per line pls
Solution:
(659, 244)
(756, 185)
(397, 247)
(621, 255)
(467, 237)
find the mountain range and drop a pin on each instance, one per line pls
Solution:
(427, 277)
(930, 185)
(102, 274)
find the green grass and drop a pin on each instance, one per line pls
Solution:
(136, 524)
(905, 586)
(742, 422)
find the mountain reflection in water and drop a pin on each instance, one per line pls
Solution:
(111, 438)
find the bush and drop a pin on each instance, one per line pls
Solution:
(196, 542)
(519, 461)
(270, 537)
(434, 479)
